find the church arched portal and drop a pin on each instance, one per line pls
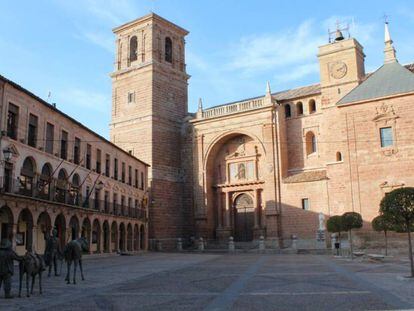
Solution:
(243, 211)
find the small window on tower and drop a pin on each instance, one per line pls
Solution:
(305, 204)
(168, 50)
(131, 97)
(288, 113)
(133, 48)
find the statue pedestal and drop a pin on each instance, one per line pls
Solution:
(320, 239)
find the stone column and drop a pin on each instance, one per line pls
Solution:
(227, 212)
(34, 239)
(14, 236)
(219, 211)
(256, 208)
(109, 239)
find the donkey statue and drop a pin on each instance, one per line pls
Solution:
(73, 253)
(32, 264)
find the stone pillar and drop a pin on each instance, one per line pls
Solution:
(201, 245)
(219, 211)
(109, 239)
(227, 222)
(179, 244)
(34, 239)
(14, 236)
(262, 245)
(256, 209)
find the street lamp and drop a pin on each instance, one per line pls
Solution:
(8, 154)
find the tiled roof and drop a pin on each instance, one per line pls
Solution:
(305, 177)
(298, 92)
(389, 79)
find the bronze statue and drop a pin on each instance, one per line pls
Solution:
(73, 252)
(53, 252)
(7, 255)
(31, 265)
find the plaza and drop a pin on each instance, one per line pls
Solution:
(221, 281)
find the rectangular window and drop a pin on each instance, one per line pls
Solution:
(136, 178)
(88, 156)
(106, 201)
(122, 205)
(107, 164)
(50, 136)
(123, 172)
(12, 121)
(32, 131)
(115, 204)
(116, 169)
(129, 175)
(142, 181)
(305, 204)
(98, 161)
(76, 151)
(386, 137)
(64, 145)
(97, 201)
(131, 97)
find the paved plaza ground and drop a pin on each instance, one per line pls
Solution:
(187, 281)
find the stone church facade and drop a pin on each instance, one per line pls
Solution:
(276, 165)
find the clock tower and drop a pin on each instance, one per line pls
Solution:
(341, 68)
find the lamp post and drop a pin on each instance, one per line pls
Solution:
(7, 155)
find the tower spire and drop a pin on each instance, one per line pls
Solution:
(389, 51)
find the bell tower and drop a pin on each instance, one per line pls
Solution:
(149, 104)
(341, 67)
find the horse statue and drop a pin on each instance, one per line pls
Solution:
(73, 252)
(32, 264)
(53, 252)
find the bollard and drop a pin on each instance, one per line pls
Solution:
(262, 245)
(294, 242)
(179, 245)
(231, 244)
(201, 245)
(159, 246)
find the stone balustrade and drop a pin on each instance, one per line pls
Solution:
(233, 108)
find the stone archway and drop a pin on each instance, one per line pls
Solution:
(129, 238)
(122, 236)
(234, 164)
(243, 217)
(60, 225)
(142, 242)
(106, 237)
(96, 236)
(114, 237)
(24, 234)
(136, 238)
(86, 230)
(74, 227)
(44, 226)
(6, 223)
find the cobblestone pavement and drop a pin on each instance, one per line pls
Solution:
(163, 281)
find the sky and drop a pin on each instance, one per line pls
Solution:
(66, 47)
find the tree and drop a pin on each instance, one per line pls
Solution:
(382, 224)
(351, 220)
(334, 225)
(398, 207)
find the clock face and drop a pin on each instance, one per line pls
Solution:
(338, 70)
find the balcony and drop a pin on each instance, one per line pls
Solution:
(54, 192)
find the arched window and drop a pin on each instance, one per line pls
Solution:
(299, 108)
(288, 113)
(338, 156)
(27, 174)
(60, 192)
(44, 181)
(168, 50)
(133, 49)
(310, 143)
(74, 190)
(312, 106)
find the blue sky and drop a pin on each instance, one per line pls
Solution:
(234, 47)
